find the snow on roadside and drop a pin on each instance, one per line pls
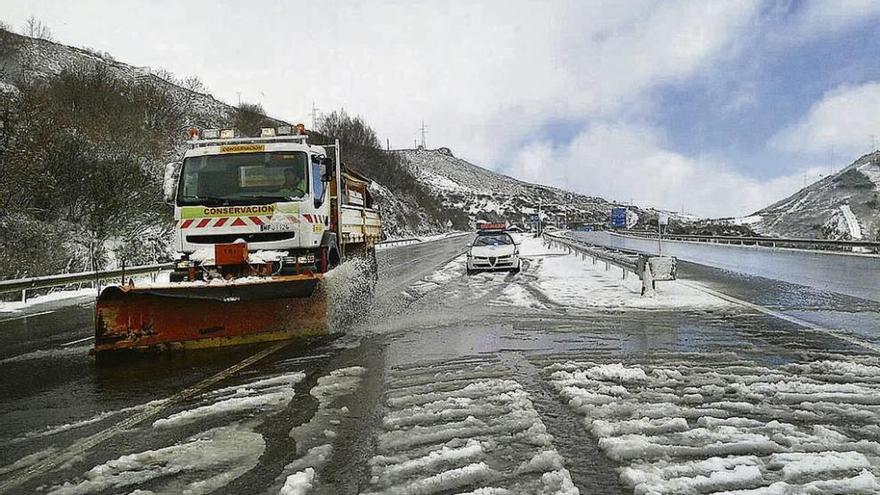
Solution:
(575, 282)
(530, 246)
(59, 295)
(72, 295)
(460, 426)
(731, 427)
(211, 460)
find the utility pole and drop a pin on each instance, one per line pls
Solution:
(239, 97)
(873, 142)
(831, 165)
(387, 144)
(424, 130)
(540, 222)
(314, 115)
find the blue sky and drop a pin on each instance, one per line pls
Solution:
(717, 107)
(779, 84)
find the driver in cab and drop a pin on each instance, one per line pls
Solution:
(294, 185)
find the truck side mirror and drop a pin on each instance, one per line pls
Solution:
(326, 170)
(169, 184)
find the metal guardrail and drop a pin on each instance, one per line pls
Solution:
(776, 242)
(397, 242)
(64, 279)
(649, 268)
(414, 240)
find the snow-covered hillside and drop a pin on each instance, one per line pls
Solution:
(488, 195)
(25, 58)
(458, 185)
(845, 205)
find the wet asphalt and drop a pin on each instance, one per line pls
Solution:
(49, 379)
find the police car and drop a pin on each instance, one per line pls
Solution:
(493, 249)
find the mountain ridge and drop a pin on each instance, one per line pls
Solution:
(843, 205)
(485, 194)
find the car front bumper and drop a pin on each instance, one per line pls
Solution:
(509, 262)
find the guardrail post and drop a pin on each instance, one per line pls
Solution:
(24, 295)
(647, 279)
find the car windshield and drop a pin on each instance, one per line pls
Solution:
(493, 240)
(243, 178)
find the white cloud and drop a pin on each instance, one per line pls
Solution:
(480, 73)
(843, 120)
(630, 163)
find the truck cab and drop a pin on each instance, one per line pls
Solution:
(275, 193)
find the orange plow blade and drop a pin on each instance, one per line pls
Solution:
(192, 316)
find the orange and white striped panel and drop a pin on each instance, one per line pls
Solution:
(214, 223)
(316, 219)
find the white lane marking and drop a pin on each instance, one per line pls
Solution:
(90, 337)
(83, 445)
(791, 319)
(27, 316)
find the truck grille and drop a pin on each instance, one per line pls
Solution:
(249, 238)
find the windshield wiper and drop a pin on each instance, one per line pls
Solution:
(207, 200)
(264, 198)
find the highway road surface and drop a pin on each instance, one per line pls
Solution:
(560, 379)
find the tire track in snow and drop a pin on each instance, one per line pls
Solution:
(696, 424)
(474, 430)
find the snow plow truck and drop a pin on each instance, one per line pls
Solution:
(259, 223)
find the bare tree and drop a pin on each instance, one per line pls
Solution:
(35, 28)
(194, 84)
(248, 118)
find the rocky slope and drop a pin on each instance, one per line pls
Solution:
(25, 58)
(845, 205)
(487, 195)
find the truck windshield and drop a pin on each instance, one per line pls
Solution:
(243, 178)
